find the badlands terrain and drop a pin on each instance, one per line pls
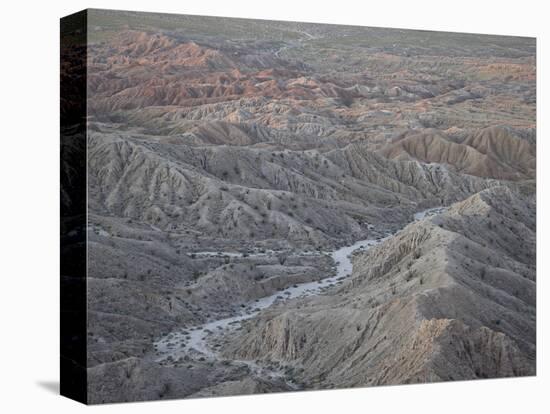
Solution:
(280, 206)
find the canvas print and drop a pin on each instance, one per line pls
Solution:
(254, 206)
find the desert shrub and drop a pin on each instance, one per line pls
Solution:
(165, 390)
(282, 258)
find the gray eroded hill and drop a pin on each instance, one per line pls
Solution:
(217, 147)
(450, 297)
(253, 193)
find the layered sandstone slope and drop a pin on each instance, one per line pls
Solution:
(311, 86)
(450, 297)
(492, 152)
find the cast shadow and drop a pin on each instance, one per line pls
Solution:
(51, 386)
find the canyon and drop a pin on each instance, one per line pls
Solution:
(281, 206)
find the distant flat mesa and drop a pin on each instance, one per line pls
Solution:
(494, 152)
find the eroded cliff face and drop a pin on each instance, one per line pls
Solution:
(449, 297)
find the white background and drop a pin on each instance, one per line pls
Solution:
(29, 199)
